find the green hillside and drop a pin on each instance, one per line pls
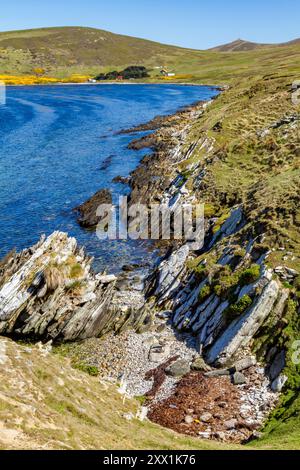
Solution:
(77, 49)
(65, 51)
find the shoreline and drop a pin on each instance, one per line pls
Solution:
(217, 87)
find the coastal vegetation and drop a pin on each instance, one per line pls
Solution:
(41, 80)
(132, 72)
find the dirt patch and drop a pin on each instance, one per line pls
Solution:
(205, 407)
(159, 376)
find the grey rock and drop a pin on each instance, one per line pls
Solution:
(200, 365)
(292, 272)
(70, 310)
(218, 373)
(206, 417)
(245, 363)
(168, 272)
(230, 225)
(164, 315)
(238, 378)
(178, 368)
(231, 424)
(106, 279)
(158, 353)
(188, 419)
(241, 331)
(205, 435)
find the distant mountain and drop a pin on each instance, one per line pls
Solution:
(240, 45)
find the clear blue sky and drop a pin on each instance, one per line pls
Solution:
(190, 23)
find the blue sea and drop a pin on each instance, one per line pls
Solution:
(60, 144)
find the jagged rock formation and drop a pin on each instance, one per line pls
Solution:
(225, 301)
(49, 291)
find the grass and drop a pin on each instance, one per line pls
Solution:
(66, 408)
(63, 52)
(59, 407)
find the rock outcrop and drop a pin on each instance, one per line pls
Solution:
(49, 291)
(88, 217)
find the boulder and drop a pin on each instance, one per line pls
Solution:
(178, 368)
(279, 383)
(231, 424)
(218, 373)
(206, 417)
(106, 278)
(158, 353)
(238, 378)
(245, 363)
(188, 419)
(199, 365)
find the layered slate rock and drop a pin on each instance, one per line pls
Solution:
(242, 330)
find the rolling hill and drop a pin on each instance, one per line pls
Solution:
(64, 51)
(79, 49)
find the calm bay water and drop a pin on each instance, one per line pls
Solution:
(58, 146)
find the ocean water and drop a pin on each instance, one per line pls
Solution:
(59, 145)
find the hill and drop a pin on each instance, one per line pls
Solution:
(63, 52)
(239, 45)
(78, 49)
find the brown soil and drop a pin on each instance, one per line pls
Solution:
(195, 395)
(159, 376)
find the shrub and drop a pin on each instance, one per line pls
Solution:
(200, 271)
(204, 293)
(224, 280)
(237, 308)
(240, 252)
(88, 369)
(75, 288)
(76, 271)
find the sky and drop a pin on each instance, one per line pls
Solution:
(195, 24)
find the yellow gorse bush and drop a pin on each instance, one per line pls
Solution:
(35, 80)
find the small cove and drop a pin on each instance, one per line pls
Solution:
(59, 145)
